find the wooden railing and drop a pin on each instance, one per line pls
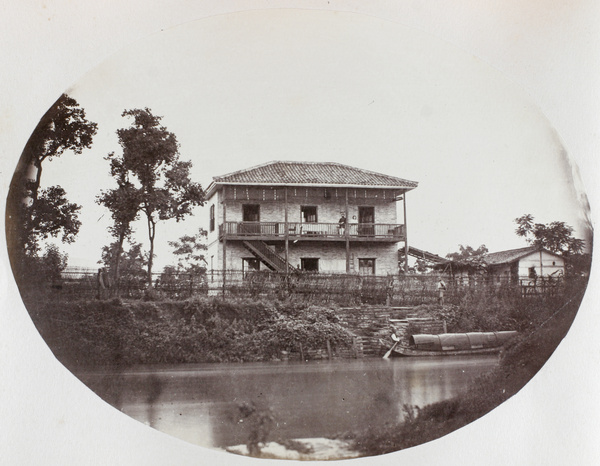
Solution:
(297, 230)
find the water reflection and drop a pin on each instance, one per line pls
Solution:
(201, 403)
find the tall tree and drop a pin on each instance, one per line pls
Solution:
(33, 213)
(124, 204)
(554, 236)
(151, 158)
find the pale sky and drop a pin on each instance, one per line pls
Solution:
(244, 89)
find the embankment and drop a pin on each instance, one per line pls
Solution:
(93, 332)
(518, 364)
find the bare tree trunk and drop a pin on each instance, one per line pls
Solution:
(37, 181)
(151, 235)
(118, 262)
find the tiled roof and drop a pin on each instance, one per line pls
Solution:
(308, 173)
(505, 257)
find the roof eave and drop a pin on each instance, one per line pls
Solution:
(215, 184)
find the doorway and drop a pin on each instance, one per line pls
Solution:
(366, 220)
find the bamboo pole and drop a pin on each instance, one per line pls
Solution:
(224, 239)
(287, 243)
(405, 235)
(347, 235)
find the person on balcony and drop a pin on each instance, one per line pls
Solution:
(342, 224)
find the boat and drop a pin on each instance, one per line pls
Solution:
(451, 344)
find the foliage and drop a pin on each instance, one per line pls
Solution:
(468, 258)
(43, 270)
(199, 330)
(468, 253)
(63, 128)
(132, 262)
(493, 308)
(555, 236)
(51, 215)
(150, 160)
(188, 250)
(123, 203)
(34, 214)
(52, 263)
(578, 264)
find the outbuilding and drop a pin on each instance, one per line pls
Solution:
(527, 263)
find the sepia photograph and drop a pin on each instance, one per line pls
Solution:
(313, 231)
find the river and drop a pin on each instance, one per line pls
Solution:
(199, 402)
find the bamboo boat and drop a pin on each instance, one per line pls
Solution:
(451, 344)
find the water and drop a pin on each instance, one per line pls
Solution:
(199, 403)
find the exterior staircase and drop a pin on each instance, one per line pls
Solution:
(267, 256)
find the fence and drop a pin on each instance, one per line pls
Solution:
(406, 290)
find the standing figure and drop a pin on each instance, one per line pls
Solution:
(441, 287)
(342, 224)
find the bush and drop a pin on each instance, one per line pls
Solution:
(198, 330)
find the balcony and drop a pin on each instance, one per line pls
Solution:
(265, 231)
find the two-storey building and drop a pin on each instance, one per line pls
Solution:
(310, 216)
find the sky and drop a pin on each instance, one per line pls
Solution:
(244, 89)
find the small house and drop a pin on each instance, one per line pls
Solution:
(527, 263)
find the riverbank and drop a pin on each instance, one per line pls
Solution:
(518, 364)
(200, 330)
(119, 333)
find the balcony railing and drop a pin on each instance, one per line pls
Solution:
(300, 230)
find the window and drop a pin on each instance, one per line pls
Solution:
(250, 264)
(212, 217)
(309, 214)
(366, 266)
(309, 264)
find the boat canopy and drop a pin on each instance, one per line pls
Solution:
(460, 341)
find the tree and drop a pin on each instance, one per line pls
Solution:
(132, 261)
(124, 204)
(40, 270)
(151, 160)
(64, 127)
(467, 258)
(555, 236)
(189, 250)
(51, 215)
(468, 254)
(32, 213)
(52, 263)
